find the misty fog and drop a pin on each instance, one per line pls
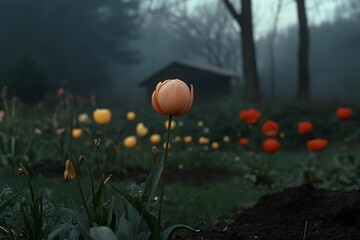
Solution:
(110, 47)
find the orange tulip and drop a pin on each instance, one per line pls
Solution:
(271, 145)
(344, 113)
(270, 128)
(155, 138)
(130, 142)
(250, 116)
(244, 142)
(305, 127)
(172, 97)
(102, 116)
(317, 144)
(76, 132)
(69, 173)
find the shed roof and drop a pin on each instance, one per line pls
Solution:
(190, 67)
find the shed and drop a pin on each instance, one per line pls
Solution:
(209, 82)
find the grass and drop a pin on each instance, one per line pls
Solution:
(201, 205)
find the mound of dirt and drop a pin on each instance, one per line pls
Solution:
(319, 214)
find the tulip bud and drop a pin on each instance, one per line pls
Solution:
(172, 97)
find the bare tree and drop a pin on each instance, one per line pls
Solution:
(303, 52)
(210, 33)
(244, 21)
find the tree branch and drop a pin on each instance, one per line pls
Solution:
(233, 11)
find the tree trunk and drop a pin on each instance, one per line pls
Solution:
(252, 89)
(244, 19)
(303, 52)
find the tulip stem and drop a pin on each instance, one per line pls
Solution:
(164, 171)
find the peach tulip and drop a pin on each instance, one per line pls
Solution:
(172, 97)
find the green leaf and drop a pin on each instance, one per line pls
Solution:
(102, 233)
(150, 219)
(152, 181)
(167, 233)
(61, 228)
(7, 202)
(82, 224)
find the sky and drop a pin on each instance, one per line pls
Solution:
(318, 11)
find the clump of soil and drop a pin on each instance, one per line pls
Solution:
(328, 215)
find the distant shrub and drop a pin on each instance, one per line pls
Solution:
(27, 80)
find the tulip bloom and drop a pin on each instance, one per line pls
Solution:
(271, 145)
(130, 142)
(155, 138)
(270, 128)
(344, 113)
(244, 142)
(316, 145)
(131, 116)
(172, 97)
(215, 145)
(204, 140)
(187, 139)
(83, 118)
(102, 116)
(250, 116)
(172, 124)
(141, 130)
(69, 173)
(76, 132)
(304, 127)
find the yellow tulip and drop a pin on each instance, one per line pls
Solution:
(69, 173)
(141, 130)
(215, 145)
(204, 140)
(76, 132)
(155, 138)
(172, 124)
(131, 116)
(130, 141)
(172, 97)
(102, 116)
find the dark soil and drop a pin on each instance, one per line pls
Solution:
(325, 214)
(328, 215)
